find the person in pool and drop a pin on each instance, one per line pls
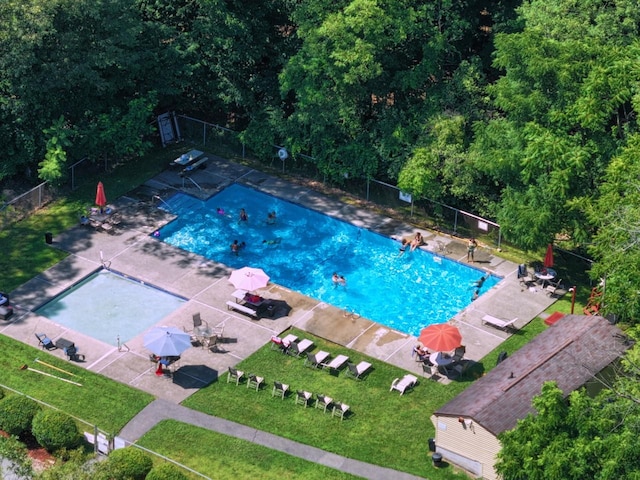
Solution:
(335, 278)
(243, 215)
(220, 211)
(273, 241)
(403, 246)
(271, 218)
(480, 282)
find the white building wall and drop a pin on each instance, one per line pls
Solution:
(467, 444)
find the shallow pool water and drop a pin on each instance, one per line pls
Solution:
(304, 248)
(106, 305)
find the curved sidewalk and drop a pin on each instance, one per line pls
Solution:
(159, 410)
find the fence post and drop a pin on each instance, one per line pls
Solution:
(455, 222)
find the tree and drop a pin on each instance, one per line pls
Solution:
(616, 246)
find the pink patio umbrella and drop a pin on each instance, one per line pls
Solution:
(101, 198)
(248, 278)
(548, 258)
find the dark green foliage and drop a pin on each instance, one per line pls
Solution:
(15, 452)
(129, 463)
(55, 430)
(166, 471)
(16, 414)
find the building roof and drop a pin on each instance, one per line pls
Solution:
(570, 352)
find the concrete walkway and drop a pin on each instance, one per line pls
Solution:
(162, 410)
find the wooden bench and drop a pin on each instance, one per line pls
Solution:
(241, 308)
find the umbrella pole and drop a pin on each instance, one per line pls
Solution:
(26, 367)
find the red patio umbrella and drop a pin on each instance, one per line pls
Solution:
(548, 258)
(101, 198)
(441, 337)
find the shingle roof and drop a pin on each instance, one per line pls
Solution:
(569, 352)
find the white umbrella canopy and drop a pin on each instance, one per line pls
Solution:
(167, 341)
(249, 278)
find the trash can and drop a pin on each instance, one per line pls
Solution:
(48, 237)
(432, 445)
(437, 459)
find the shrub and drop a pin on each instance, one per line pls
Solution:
(166, 471)
(55, 430)
(128, 463)
(16, 414)
(1, 394)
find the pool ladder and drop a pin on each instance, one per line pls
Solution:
(122, 346)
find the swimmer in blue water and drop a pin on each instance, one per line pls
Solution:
(273, 241)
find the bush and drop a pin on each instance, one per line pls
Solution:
(166, 471)
(16, 414)
(129, 463)
(55, 430)
(1, 394)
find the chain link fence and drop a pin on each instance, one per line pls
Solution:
(25, 204)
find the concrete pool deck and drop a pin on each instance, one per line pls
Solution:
(132, 251)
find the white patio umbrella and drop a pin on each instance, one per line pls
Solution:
(249, 278)
(167, 341)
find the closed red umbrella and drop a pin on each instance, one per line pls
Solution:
(441, 337)
(101, 198)
(548, 258)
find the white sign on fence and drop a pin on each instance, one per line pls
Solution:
(405, 197)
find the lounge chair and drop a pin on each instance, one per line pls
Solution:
(303, 397)
(340, 410)
(430, 371)
(497, 323)
(297, 349)
(323, 401)
(357, 371)
(73, 355)
(526, 278)
(553, 287)
(403, 384)
(281, 388)
(336, 364)
(45, 342)
(254, 381)
(313, 360)
(198, 322)
(236, 375)
(458, 354)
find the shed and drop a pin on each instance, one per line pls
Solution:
(570, 352)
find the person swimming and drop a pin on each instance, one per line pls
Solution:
(273, 241)
(271, 218)
(480, 282)
(243, 215)
(220, 211)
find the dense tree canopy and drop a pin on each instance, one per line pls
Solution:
(522, 112)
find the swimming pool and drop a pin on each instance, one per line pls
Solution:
(106, 305)
(402, 292)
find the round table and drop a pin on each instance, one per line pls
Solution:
(549, 274)
(440, 359)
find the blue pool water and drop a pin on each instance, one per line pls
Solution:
(405, 293)
(106, 305)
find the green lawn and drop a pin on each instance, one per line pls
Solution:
(223, 457)
(99, 401)
(385, 428)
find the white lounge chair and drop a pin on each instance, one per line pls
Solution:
(297, 349)
(336, 364)
(356, 371)
(315, 359)
(241, 308)
(404, 383)
(501, 324)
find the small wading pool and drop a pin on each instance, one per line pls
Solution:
(305, 247)
(106, 305)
